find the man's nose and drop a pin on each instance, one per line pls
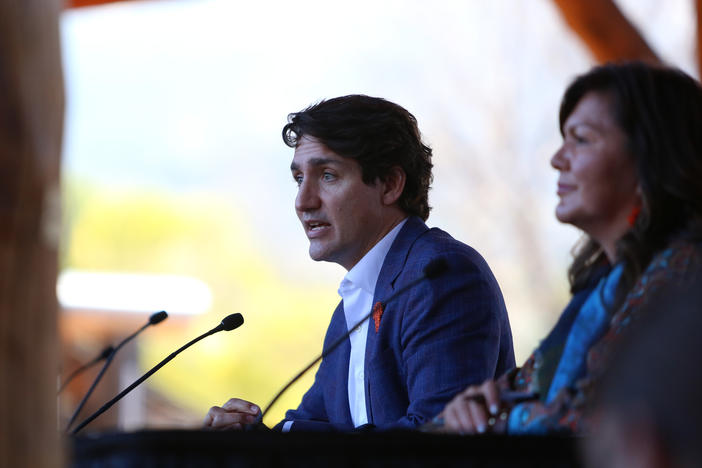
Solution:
(307, 197)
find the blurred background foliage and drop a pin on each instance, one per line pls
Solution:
(142, 230)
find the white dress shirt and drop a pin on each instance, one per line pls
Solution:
(357, 290)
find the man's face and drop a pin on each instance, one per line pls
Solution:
(341, 215)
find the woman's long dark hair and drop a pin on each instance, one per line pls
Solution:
(660, 111)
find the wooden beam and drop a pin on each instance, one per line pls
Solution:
(86, 3)
(31, 123)
(606, 32)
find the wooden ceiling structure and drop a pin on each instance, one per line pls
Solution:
(31, 122)
(607, 33)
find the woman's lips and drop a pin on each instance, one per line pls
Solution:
(564, 189)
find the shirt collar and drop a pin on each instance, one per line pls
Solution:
(364, 274)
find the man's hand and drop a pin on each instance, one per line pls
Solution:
(233, 415)
(476, 409)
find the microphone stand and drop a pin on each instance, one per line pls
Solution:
(154, 319)
(104, 354)
(230, 322)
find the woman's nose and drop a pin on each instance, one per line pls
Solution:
(559, 160)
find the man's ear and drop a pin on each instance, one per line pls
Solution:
(393, 185)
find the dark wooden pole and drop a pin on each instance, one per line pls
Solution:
(607, 33)
(31, 122)
(87, 3)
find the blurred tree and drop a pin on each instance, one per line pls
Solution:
(147, 231)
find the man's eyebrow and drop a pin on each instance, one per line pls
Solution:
(318, 162)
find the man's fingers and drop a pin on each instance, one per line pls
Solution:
(232, 415)
(225, 418)
(219, 418)
(231, 427)
(210, 416)
(242, 406)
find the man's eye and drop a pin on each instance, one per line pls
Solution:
(297, 179)
(328, 176)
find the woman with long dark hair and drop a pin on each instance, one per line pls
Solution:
(630, 177)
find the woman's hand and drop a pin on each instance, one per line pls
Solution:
(475, 410)
(234, 414)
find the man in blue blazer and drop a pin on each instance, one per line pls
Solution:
(363, 178)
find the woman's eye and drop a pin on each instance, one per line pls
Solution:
(581, 135)
(578, 137)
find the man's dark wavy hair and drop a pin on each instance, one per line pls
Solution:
(660, 111)
(378, 134)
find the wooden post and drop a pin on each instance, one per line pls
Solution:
(608, 34)
(31, 123)
(87, 3)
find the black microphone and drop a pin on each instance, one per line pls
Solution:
(156, 317)
(433, 269)
(104, 354)
(230, 322)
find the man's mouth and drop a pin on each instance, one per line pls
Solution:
(316, 227)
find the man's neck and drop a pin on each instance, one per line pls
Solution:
(365, 272)
(386, 227)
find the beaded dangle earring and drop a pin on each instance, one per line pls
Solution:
(634, 215)
(636, 210)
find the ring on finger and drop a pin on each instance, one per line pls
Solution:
(493, 420)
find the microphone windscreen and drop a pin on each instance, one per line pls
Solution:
(435, 268)
(158, 317)
(107, 352)
(230, 322)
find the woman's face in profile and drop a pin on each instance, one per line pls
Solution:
(597, 184)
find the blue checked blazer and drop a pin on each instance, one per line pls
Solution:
(433, 341)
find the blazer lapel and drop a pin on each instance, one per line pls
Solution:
(397, 256)
(338, 368)
(392, 267)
